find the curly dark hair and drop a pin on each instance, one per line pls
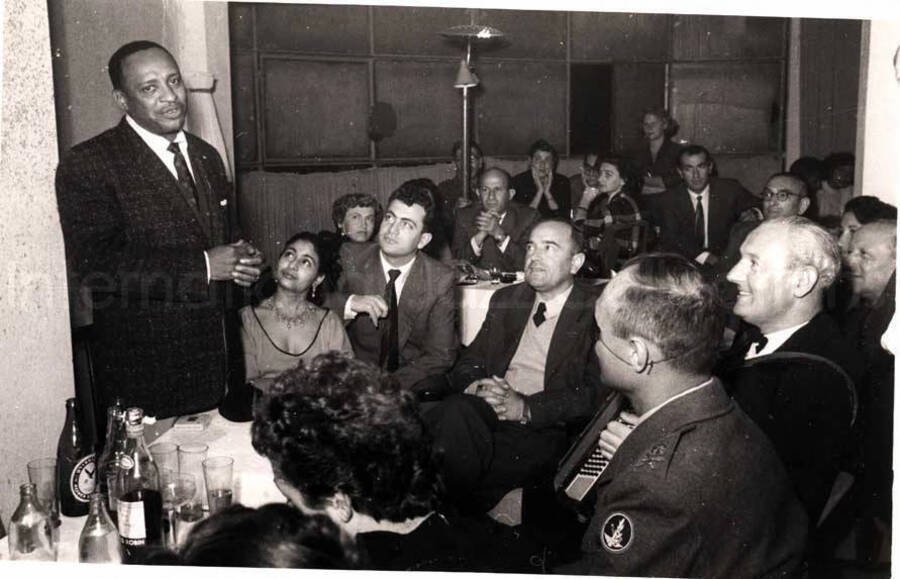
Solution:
(343, 425)
(543, 145)
(274, 535)
(628, 169)
(327, 245)
(346, 202)
(868, 208)
(418, 192)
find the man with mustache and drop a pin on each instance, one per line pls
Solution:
(529, 372)
(144, 214)
(399, 302)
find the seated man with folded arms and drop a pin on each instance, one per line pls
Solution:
(695, 489)
(529, 371)
(789, 367)
(493, 233)
(400, 302)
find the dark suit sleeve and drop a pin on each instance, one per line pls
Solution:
(462, 236)
(575, 399)
(473, 363)
(99, 245)
(441, 342)
(514, 257)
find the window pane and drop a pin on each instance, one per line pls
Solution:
(590, 108)
(315, 109)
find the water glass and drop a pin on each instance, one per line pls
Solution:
(219, 473)
(190, 461)
(165, 455)
(42, 473)
(179, 492)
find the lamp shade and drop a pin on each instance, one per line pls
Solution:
(465, 78)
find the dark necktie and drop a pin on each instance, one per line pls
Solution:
(538, 316)
(699, 224)
(185, 181)
(760, 344)
(390, 350)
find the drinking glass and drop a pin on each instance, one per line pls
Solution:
(219, 471)
(42, 473)
(179, 493)
(165, 455)
(190, 461)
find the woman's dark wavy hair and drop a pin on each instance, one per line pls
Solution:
(328, 247)
(274, 535)
(628, 169)
(343, 425)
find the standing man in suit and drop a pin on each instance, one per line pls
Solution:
(143, 208)
(529, 371)
(790, 369)
(494, 233)
(695, 489)
(695, 218)
(541, 187)
(400, 302)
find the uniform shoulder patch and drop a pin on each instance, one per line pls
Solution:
(618, 532)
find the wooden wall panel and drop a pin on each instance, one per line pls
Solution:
(416, 31)
(243, 90)
(240, 26)
(609, 37)
(636, 87)
(529, 33)
(829, 84)
(428, 108)
(728, 107)
(520, 103)
(726, 37)
(313, 28)
(315, 109)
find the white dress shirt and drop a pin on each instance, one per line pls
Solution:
(349, 314)
(773, 341)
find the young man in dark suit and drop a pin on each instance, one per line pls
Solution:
(695, 218)
(493, 233)
(694, 488)
(415, 338)
(144, 214)
(528, 373)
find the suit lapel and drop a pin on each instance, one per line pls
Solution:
(718, 218)
(411, 300)
(206, 202)
(569, 322)
(156, 172)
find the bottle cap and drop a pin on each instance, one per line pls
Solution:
(134, 420)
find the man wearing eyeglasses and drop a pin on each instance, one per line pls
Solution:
(493, 234)
(696, 489)
(784, 195)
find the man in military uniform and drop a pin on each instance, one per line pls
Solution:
(695, 489)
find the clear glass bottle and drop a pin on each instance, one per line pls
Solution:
(140, 502)
(31, 536)
(107, 465)
(99, 541)
(76, 466)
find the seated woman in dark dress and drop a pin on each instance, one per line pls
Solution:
(345, 441)
(604, 208)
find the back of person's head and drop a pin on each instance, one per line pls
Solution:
(811, 170)
(669, 303)
(346, 202)
(867, 208)
(342, 425)
(809, 245)
(118, 58)
(274, 535)
(420, 192)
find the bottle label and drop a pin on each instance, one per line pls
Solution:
(126, 462)
(82, 481)
(131, 522)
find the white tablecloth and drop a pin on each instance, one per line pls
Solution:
(254, 484)
(473, 306)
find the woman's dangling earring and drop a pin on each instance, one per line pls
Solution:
(312, 294)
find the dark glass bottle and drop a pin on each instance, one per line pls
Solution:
(76, 466)
(107, 464)
(140, 503)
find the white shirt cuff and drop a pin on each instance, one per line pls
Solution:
(348, 313)
(208, 271)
